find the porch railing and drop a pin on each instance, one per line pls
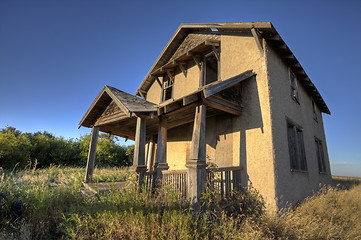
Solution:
(223, 180)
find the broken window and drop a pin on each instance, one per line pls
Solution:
(314, 111)
(320, 156)
(211, 66)
(296, 148)
(167, 87)
(293, 84)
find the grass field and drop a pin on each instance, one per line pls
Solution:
(54, 208)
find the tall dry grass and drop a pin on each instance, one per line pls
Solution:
(54, 208)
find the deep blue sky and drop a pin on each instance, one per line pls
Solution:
(55, 56)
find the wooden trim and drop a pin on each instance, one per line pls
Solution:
(258, 40)
(223, 105)
(91, 155)
(212, 89)
(182, 68)
(114, 118)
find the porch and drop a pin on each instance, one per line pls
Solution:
(119, 113)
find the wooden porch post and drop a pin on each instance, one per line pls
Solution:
(161, 154)
(91, 155)
(139, 149)
(197, 161)
(150, 153)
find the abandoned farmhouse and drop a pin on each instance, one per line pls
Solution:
(230, 94)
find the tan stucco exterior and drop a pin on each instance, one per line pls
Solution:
(257, 139)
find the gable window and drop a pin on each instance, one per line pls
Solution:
(167, 88)
(293, 85)
(320, 156)
(296, 148)
(211, 66)
(314, 111)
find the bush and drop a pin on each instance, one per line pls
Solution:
(45, 149)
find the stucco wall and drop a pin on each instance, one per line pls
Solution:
(293, 186)
(244, 140)
(252, 140)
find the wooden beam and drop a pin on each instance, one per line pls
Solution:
(139, 149)
(182, 68)
(201, 74)
(190, 99)
(142, 94)
(216, 53)
(215, 88)
(172, 106)
(274, 38)
(111, 119)
(258, 40)
(170, 74)
(161, 153)
(223, 105)
(198, 147)
(91, 155)
(196, 59)
(197, 160)
(158, 81)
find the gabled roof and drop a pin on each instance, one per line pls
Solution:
(127, 104)
(264, 29)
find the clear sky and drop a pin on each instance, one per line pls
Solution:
(55, 57)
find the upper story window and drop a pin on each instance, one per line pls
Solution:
(314, 111)
(211, 67)
(293, 85)
(296, 147)
(320, 156)
(167, 87)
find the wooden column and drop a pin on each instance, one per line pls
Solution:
(91, 155)
(201, 74)
(150, 153)
(161, 154)
(197, 161)
(139, 149)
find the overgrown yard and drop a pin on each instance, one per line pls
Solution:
(54, 208)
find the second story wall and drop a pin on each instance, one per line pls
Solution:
(298, 111)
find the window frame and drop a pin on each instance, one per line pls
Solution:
(314, 111)
(296, 148)
(211, 54)
(167, 85)
(320, 156)
(293, 86)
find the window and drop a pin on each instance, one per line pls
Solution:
(320, 156)
(296, 148)
(210, 68)
(314, 111)
(167, 88)
(293, 84)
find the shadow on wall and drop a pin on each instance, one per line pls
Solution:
(251, 118)
(220, 130)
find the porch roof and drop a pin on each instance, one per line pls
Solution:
(116, 112)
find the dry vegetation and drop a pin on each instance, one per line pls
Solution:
(54, 208)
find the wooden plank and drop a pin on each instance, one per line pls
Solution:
(223, 106)
(91, 155)
(182, 68)
(201, 74)
(190, 99)
(216, 53)
(173, 106)
(142, 94)
(198, 147)
(161, 154)
(111, 119)
(139, 145)
(258, 40)
(219, 86)
(158, 81)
